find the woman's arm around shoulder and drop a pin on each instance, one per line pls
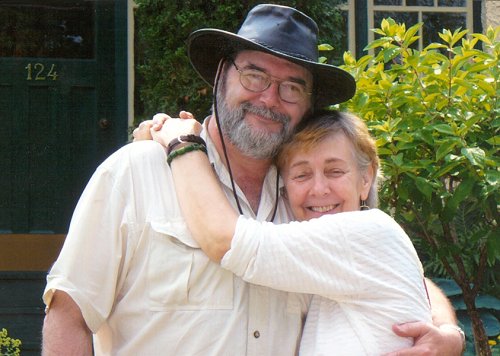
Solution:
(207, 212)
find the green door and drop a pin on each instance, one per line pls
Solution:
(63, 97)
(59, 114)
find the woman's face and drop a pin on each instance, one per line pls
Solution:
(326, 179)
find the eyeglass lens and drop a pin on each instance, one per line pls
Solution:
(258, 81)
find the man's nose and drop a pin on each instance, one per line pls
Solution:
(271, 96)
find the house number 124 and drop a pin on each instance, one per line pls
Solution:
(38, 71)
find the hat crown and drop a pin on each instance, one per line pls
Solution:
(282, 29)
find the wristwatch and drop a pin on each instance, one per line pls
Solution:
(460, 331)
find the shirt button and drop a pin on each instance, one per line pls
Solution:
(256, 334)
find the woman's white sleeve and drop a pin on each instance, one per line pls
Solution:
(334, 256)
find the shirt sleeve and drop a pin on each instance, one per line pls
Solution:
(94, 253)
(336, 256)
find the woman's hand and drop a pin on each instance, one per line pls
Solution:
(146, 128)
(171, 128)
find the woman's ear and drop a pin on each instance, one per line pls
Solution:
(367, 181)
(284, 193)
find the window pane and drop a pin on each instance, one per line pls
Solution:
(408, 18)
(420, 2)
(436, 22)
(452, 2)
(387, 2)
(47, 29)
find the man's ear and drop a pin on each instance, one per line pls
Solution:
(284, 193)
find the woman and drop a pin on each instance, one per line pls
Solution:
(360, 265)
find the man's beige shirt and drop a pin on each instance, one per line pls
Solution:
(143, 284)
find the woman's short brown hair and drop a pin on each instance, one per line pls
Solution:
(314, 130)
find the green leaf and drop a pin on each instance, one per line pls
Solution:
(461, 192)
(457, 35)
(398, 159)
(488, 302)
(390, 53)
(445, 148)
(444, 128)
(378, 43)
(435, 46)
(492, 177)
(475, 155)
(325, 47)
(487, 87)
(424, 187)
(491, 323)
(493, 247)
(410, 37)
(482, 37)
(495, 141)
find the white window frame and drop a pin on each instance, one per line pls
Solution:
(349, 6)
(467, 9)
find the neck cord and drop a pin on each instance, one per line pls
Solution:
(216, 86)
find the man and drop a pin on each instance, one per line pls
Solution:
(129, 271)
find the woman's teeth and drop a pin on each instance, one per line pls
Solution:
(323, 209)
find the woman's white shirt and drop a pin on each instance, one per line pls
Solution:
(361, 266)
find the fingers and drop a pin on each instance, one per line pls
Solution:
(162, 127)
(186, 115)
(142, 132)
(415, 329)
(158, 121)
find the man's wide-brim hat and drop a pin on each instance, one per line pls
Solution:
(278, 30)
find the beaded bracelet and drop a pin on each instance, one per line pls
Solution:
(185, 149)
(184, 139)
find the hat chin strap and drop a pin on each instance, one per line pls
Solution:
(224, 150)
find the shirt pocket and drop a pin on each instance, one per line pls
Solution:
(181, 277)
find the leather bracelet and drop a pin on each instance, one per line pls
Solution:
(183, 139)
(460, 331)
(185, 149)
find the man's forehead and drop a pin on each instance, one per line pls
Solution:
(267, 61)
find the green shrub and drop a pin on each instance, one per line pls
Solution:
(435, 114)
(9, 346)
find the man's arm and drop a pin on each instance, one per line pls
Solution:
(64, 329)
(439, 338)
(442, 310)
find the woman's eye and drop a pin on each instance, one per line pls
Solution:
(335, 173)
(300, 176)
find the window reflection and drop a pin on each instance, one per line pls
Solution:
(436, 22)
(387, 2)
(47, 29)
(452, 2)
(420, 2)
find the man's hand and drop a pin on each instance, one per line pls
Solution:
(146, 128)
(429, 340)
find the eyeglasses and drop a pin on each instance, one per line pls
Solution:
(257, 81)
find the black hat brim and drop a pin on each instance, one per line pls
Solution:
(206, 47)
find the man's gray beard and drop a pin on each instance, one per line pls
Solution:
(258, 144)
